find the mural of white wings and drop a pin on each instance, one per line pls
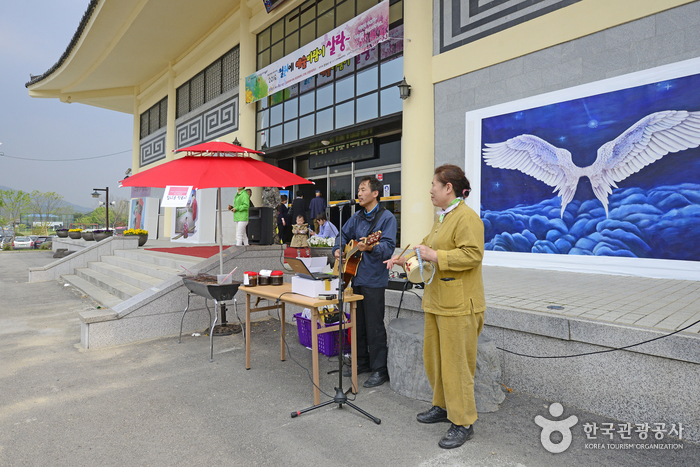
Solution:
(645, 142)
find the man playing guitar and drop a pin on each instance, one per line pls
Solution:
(371, 279)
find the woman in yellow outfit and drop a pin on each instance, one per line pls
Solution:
(454, 305)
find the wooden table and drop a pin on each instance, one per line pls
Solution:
(284, 294)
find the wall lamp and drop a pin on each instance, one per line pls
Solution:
(404, 89)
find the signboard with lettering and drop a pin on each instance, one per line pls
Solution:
(176, 196)
(353, 151)
(358, 35)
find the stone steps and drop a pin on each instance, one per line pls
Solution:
(127, 273)
(150, 269)
(101, 296)
(160, 259)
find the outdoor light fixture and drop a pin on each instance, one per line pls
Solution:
(95, 194)
(127, 173)
(236, 142)
(325, 142)
(404, 89)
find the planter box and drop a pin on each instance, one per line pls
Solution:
(75, 235)
(142, 238)
(62, 233)
(88, 236)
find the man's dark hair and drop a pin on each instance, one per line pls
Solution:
(374, 184)
(299, 194)
(283, 198)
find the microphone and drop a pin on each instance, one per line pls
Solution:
(345, 203)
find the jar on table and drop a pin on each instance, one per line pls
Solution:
(250, 278)
(277, 278)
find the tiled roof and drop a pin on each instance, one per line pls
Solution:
(81, 27)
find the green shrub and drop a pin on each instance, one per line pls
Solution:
(45, 246)
(7, 247)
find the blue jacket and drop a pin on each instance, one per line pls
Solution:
(317, 205)
(372, 271)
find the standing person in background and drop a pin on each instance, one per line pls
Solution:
(284, 227)
(371, 279)
(298, 206)
(250, 197)
(317, 206)
(454, 305)
(241, 204)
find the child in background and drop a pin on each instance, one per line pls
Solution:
(301, 234)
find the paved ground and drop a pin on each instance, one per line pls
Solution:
(157, 403)
(663, 304)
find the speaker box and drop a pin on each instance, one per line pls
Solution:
(260, 225)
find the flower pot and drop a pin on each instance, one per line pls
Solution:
(99, 236)
(62, 233)
(88, 236)
(324, 251)
(75, 235)
(142, 238)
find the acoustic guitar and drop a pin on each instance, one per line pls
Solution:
(352, 256)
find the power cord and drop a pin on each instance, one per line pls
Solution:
(601, 351)
(580, 354)
(289, 350)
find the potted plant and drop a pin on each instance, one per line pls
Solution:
(142, 234)
(75, 234)
(101, 234)
(88, 235)
(322, 247)
(62, 233)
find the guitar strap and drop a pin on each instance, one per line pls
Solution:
(376, 219)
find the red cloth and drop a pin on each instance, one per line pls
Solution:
(198, 251)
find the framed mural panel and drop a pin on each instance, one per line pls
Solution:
(602, 177)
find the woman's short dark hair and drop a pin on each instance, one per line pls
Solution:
(321, 216)
(454, 175)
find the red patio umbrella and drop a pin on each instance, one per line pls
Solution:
(218, 165)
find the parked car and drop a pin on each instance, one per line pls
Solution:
(6, 240)
(22, 242)
(39, 240)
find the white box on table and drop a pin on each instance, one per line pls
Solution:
(315, 263)
(312, 288)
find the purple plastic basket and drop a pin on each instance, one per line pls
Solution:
(327, 342)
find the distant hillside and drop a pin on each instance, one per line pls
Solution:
(80, 209)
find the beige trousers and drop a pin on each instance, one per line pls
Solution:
(449, 356)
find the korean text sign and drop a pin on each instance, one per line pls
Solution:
(358, 35)
(176, 196)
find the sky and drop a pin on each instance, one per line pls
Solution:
(33, 36)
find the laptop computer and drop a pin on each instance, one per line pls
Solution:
(301, 270)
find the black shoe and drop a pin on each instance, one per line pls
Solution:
(376, 379)
(347, 370)
(456, 436)
(434, 415)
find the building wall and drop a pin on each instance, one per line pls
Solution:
(662, 38)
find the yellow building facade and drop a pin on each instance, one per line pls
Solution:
(180, 67)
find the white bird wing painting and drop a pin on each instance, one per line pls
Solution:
(643, 143)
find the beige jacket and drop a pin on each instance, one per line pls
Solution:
(459, 242)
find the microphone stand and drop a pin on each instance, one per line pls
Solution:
(340, 397)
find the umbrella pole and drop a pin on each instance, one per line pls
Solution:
(221, 235)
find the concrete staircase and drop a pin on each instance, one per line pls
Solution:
(127, 273)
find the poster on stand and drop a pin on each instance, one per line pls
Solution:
(186, 221)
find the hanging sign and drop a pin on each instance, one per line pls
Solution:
(176, 196)
(358, 35)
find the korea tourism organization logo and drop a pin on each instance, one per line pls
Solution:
(600, 436)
